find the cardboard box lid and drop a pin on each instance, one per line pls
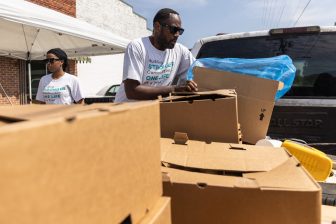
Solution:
(255, 98)
(42, 111)
(222, 156)
(189, 96)
(10, 114)
(288, 176)
(245, 85)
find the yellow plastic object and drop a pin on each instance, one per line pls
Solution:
(317, 163)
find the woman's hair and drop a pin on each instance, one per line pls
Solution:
(61, 55)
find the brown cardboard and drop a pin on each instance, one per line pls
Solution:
(217, 156)
(281, 192)
(100, 166)
(208, 116)
(255, 98)
(39, 111)
(160, 213)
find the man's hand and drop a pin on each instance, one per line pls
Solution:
(135, 91)
(190, 86)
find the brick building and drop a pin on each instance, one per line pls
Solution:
(13, 72)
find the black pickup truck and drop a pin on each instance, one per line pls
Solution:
(308, 110)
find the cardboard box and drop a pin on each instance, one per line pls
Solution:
(16, 113)
(209, 116)
(255, 98)
(93, 166)
(160, 214)
(281, 191)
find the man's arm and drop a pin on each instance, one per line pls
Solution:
(81, 101)
(135, 91)
(38, 102)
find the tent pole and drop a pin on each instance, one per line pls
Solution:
(6, 94)
(29, 82)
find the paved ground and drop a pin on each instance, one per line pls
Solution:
(329, 187)
(332, 179)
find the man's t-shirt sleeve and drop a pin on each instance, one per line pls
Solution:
(133, 63)
(186, 61)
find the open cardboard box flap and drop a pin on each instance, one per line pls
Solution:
(287, 176)
(202, 180)
(188, 96)
(255, 96)
(222, 156)
(282, 191)
(245, 85)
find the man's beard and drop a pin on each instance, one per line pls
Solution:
(164, 44)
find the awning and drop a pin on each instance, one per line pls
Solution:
(28, 31)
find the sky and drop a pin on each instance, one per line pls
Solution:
(202, 18)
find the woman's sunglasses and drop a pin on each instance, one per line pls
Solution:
(173, 29)
(51, 60)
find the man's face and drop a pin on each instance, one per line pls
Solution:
(169, 31)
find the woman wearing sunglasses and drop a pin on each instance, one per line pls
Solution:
(58, 87)
(156, 65)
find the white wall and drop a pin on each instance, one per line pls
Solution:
(102, 71)
(118, 18)
(113, 15)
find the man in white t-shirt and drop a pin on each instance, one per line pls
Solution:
(156, 65)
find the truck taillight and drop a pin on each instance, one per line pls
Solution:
(295, 30)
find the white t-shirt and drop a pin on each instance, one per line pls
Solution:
(64, 90)
(152, 67)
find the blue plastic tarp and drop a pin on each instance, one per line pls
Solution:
(279, 68)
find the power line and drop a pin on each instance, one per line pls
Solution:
(269, 23)
(280, 17)
(296, 12)
(277, 12)
(273, 14)
(266, 13)
(302, 12)
(263, 14)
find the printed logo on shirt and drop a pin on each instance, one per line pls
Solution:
(52, 93)
(157, 73)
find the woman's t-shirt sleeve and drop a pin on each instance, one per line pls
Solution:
(77, 93)
(41, 86)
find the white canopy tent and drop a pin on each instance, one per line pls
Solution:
(28, 31)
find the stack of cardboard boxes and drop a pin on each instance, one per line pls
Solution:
(101, 163)
(237, 183)
(81, 164)
(212, 179)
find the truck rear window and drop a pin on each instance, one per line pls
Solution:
(313, 55)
